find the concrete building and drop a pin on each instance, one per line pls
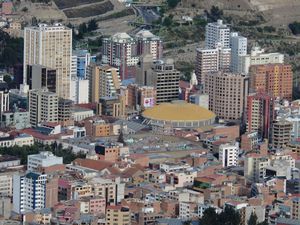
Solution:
(295, 208)
(34, 191)
(217, 33)
(238, 45)
(211, 60)
(81, 59)
(260, 114)
(295, 120)
(112, 106)
(65, 112)
(259, 57)
(275, 79)
(19, 119)
(39, 76)
(254, 167)
(228, 154)
(104, 81)
(43, 159)
(120, 51)
(79, 90)
(50, 46)
(117, 215)
(109, 81)
(227, 94)
(4, 97)
(97, 128)
(6, 183)
(148, 43)
(123, 51)
(43, 106)
(281, 134)
(80, 113)
(161, 75)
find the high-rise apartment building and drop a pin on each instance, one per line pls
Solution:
(161, 75)
(120, 51)
(227, 94)
(281, 134)
(260, 114)
(50, 46)
(229, 154)
(81, 59)
(211, 60)
(104, 82)
(43, 106)
(123, 51)
(238, 45)
(276, 79)
(259, 57)
(41, 77)
(34, 191)
(148, 43)
(217, 33)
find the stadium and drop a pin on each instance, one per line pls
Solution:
(179, 114)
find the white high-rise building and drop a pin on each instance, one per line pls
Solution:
(238, 45)
(50, 46)
(228, 154)
(217, 33)
(43, 159)
(29, 192)
(79, 90)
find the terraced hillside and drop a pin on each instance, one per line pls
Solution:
(64, 4)
(89, 10)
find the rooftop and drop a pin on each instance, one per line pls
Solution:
(179, 111)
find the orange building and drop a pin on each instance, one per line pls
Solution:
(275, 79)
(97, 128)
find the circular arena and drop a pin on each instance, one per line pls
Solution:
(179, 114)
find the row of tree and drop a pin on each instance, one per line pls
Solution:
(228, 216)
(57, 149)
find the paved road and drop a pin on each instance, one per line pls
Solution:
(149, 14)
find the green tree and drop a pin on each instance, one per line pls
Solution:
(253, 219)
(92, 25)
(215, 13)
(172, 3)
(295, 27)
(229, 216)
(210, 217)
(168, 21)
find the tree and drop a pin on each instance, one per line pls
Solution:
(253, 219)
(121, 138)
(210, 217)
(229, 216)
(295, 27)
(92, 25)
(172, 3)
(167, 21)
(215, 13)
